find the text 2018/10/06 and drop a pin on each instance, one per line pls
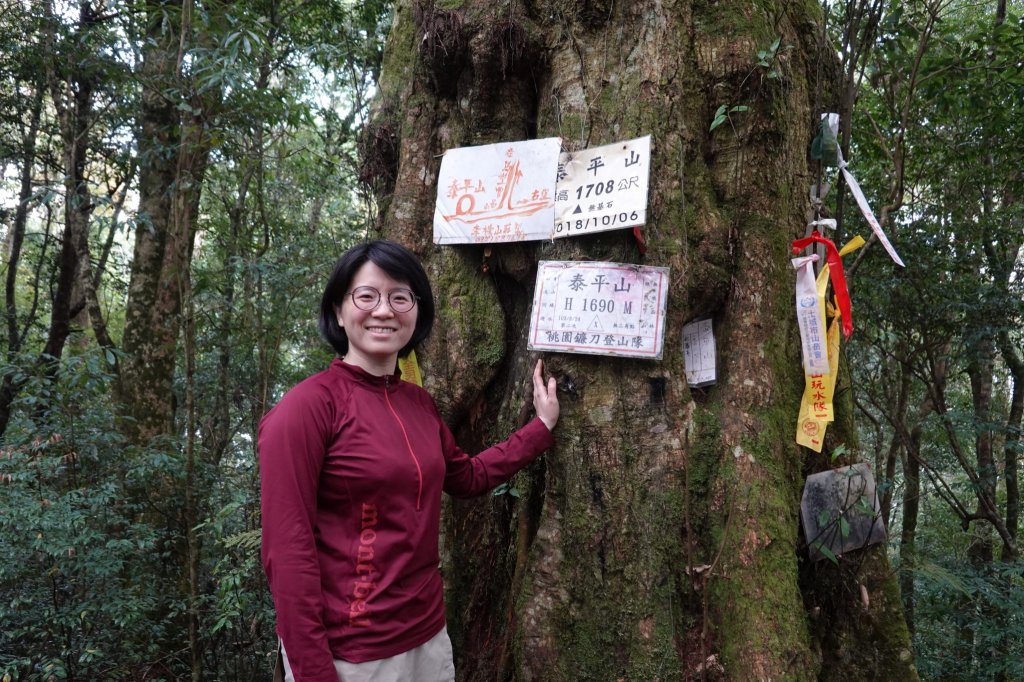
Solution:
(609, 220)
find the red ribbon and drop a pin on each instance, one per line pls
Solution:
(641, 243)
(835, 273)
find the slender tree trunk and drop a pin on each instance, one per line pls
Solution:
(892, 456)
(660, 538)
(174, 142)
(191, 510)
(1012, 442)
(145, 380)
(980, 369)
(238, 216)
(896, 445)
(980, 552)
(9, 387)
(92, 287)
(17, 235)
(908, 528)
(174, 150)
(72, 98)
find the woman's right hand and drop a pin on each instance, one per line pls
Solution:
(545, 397)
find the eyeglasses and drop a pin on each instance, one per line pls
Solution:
(368, 298)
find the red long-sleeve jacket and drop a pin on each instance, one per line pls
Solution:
(352, 467)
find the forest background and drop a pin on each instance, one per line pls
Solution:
(177, 180)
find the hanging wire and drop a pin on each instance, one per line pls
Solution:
(816, 112)
(815, 191)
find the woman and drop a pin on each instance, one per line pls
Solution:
(352, 465)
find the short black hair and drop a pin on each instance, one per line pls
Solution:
(396, 260)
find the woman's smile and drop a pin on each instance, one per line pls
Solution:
(375, 330)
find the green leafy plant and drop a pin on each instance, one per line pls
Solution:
(837, 452)
(722, 114)
(506, 489)
(768, 58)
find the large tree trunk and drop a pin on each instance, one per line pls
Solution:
(660, 538)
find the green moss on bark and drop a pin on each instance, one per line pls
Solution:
(623, 617)
(756, 582)
(470, 316)
(861, 628)
(398, 70)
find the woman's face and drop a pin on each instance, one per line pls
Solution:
(375, 336)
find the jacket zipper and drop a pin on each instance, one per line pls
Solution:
(408, 445)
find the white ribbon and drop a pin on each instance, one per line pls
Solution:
(810, 315)
(858, 194)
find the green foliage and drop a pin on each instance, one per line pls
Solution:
(93, 553)
(932, 335)
(93, 531)
(837, 452)
(80, 563)
(767, 60)
(986, 602)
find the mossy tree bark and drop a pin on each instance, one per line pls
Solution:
(660, 538)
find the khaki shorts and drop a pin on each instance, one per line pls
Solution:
(429, 662)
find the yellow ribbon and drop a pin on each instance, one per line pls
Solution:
(411, 369)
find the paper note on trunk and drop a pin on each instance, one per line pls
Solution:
(699, 353)
(599, 308)
(497, 193)
(604, 188)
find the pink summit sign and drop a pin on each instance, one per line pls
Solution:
(599, 308)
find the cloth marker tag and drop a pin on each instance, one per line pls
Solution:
(641, 242)
(865, 210)
(410, 369)
(816, 406)
(816, 411)
(851, 246)
(835, 263)
(825, 146)
(810, 316)
(832, 121)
